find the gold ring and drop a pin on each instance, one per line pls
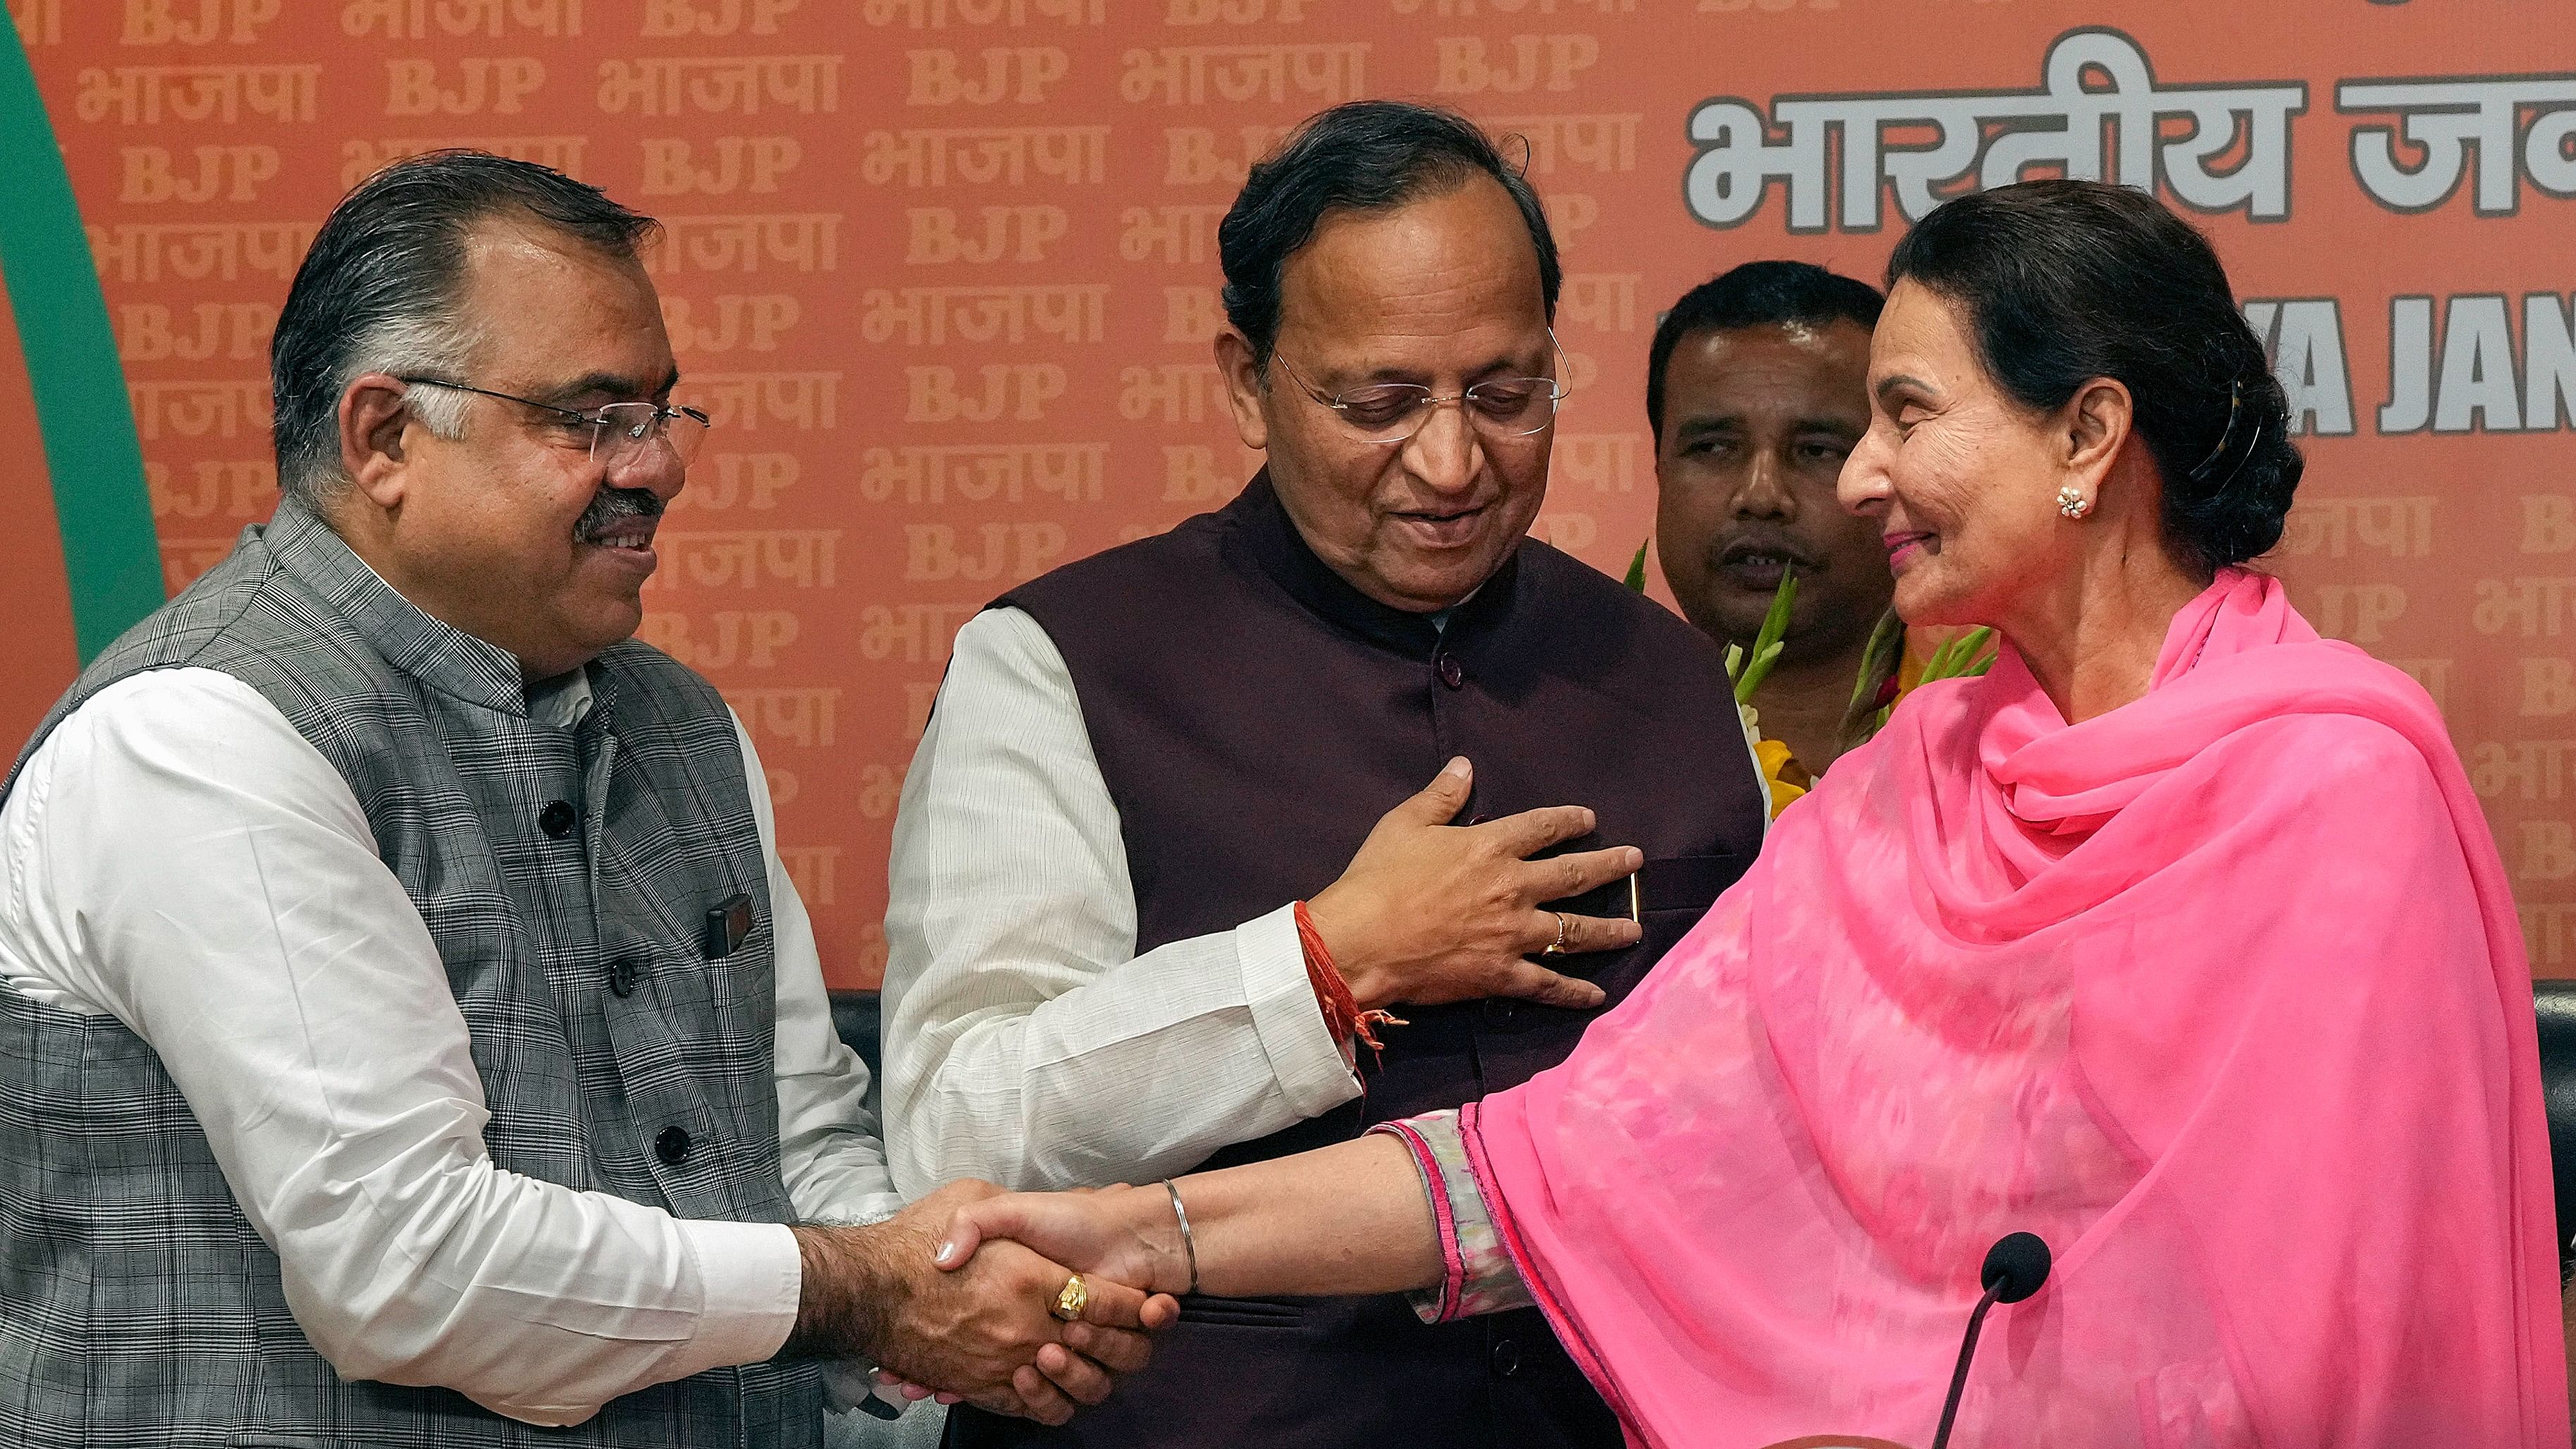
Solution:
(1557, 946)
(1071, 1299)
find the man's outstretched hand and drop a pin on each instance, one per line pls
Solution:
(981, 1329)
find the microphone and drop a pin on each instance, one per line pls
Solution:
(2015, 1268)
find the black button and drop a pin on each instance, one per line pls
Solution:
(1501, 1009)
(556, 819)
(672, 1146)
(1507, 1358)
(622, 976)
(1452, 673)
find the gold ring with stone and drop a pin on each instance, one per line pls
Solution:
(1071, 1299)
(1557, 946)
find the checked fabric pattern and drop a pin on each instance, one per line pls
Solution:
(140, 1306)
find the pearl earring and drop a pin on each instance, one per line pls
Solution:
(2072, 502)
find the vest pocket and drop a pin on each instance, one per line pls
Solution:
(1665, 883)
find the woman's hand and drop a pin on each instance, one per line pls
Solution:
(1351, 1218)
(1126, 1234)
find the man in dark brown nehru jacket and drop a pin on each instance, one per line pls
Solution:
(1167, 848)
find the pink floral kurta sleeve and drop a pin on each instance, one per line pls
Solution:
(1477, 1275)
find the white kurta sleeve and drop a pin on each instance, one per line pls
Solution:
(1026, 1041)
(178, 856)
(828, 1149)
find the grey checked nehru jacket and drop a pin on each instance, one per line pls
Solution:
(137, 1306)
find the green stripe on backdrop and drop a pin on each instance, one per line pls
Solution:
(109, 553)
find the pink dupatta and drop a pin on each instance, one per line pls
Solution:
(2220, 993)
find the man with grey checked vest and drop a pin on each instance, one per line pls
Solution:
(407, 1032)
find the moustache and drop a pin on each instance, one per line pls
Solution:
(1748, 542)
(612, 505)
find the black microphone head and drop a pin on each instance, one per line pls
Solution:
(2016, 1266)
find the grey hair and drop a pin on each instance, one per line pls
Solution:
(383, 290)
(438, 345)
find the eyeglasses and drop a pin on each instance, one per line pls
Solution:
(1389, 413)
(621, 434)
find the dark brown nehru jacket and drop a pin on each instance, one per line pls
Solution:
(1253, 716)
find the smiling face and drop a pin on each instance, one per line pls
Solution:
(1960, 479)
(512, 532)
(1757, 422)
(1442, 292)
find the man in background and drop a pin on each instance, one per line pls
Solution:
(1757, 389)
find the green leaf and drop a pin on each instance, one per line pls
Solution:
(1766, 644)
(1875, 663)
(1966, 657)
(1636, 579)
(1756, 672)
(1775, 624)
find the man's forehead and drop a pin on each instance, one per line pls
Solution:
(1833, 360)
(1837, 335)
(1437, 262)
(556, 312)
(510, 244)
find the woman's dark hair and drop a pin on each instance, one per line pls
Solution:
(1360, 156)
(2066, 281)
(1755, 294)
(382, 287)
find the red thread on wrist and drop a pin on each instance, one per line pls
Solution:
(1342, 1014)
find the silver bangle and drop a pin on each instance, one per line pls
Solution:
(1189, 1244)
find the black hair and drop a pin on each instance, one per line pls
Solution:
(380, 288)
(1756, 294)
(1359, 156)
(2063, 282)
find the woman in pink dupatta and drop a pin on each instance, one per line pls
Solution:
(2217, 988)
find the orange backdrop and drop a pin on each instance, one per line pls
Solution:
(945, 272)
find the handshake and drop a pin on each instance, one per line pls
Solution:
(1028, 1303)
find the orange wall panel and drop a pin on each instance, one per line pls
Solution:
(945, 271)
